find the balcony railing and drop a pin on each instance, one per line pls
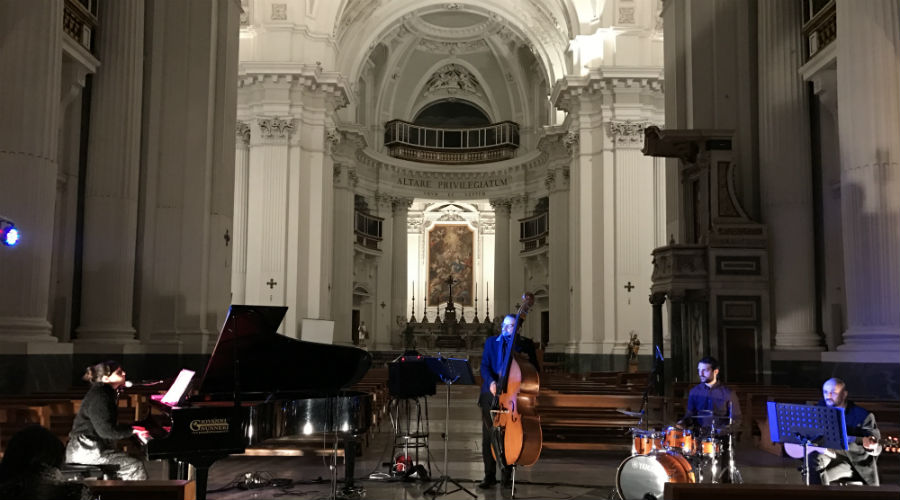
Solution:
(367, 229)
(534, 232)
(495, 142)
(80, 22)
(821, 28)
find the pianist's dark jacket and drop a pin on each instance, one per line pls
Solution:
(97, 417)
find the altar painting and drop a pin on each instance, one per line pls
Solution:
(450, 254)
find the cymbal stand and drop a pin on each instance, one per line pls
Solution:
(441, 487)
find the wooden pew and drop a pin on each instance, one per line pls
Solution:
(592, 421)
(143, 490)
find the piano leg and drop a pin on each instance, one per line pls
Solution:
(350, 490)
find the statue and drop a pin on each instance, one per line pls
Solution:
(363, 333)
(634, 345)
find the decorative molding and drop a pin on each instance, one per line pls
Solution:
(626, 15)
(453, 78)
(275, 128)
(245, 13)
(568, 91)
(627, 132)
(307, 77)
(242, 130)
(279, 12)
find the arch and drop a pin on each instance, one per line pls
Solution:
(358, 38)
(484, 118)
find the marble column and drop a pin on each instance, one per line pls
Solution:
(399, 266)
(111, 181)
(786, 174)
(635, 231)
(31, 62)
(518, 211)
(342, 289)
(239, 225)
(558, 186)
(500, 304)
(868, 78)
(656, 302)
(267, 213)
(383, 306)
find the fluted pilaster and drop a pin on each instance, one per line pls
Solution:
(399, 266)
(635, 235)
(239, 226)
(267, 208)
(30, 61)
(111, 181)
(560, 296)
(786, 173)
(501, 257)
(342, 304)
(868, 75)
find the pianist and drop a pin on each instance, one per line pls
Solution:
(95, 430)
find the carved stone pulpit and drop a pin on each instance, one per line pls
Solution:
(715, 273)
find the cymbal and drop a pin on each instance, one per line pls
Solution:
(629, 413)
(643, 432)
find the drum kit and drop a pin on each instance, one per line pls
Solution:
(704, 453)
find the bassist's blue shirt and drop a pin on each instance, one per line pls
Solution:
(492, 362)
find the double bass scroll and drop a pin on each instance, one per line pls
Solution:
(517, 438)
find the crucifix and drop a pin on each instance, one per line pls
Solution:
(271, 283)
(450, 281)
(629, 287)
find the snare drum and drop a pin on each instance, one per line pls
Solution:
(681, 440)
(642, 474)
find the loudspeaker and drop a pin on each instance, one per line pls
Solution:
(409, 377)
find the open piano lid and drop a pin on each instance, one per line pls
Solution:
(272, 363)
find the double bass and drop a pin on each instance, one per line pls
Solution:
(516, 437)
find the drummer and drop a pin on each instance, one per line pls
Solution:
(711, 403)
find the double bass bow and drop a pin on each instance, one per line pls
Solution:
(516, 437)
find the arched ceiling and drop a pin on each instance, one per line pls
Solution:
(500, 55)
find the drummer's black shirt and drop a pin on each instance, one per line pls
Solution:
(714, 399)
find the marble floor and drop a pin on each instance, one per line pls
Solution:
(556, 475)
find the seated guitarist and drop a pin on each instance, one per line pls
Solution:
(491, 369)
(858, 463)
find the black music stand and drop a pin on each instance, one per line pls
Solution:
(807, 425)
(450, 371)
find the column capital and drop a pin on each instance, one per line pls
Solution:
(501, 205)
(242, 131)
(557, 180)
(627, 133)
(400, 204)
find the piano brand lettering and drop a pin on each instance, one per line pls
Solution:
(209, 425)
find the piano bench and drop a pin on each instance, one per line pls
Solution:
(78, 472)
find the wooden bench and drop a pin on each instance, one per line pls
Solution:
(143, 490)
(592, 421)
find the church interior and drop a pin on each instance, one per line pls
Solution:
(215, 185)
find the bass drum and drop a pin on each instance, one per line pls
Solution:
(642, 474)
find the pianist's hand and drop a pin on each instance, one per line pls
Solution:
(142, 434)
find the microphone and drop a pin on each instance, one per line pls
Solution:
(143, 383)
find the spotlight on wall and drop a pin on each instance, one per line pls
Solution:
(9, 235)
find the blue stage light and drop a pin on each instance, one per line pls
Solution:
(9, 235)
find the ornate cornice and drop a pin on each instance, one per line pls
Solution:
(308, 77)
(567, 91)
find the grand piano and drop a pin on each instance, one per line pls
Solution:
(260, 385)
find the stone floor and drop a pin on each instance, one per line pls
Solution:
(557, 475)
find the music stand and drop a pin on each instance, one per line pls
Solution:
(450, 371)
(807, 425)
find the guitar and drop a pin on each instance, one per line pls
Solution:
(889, 444)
